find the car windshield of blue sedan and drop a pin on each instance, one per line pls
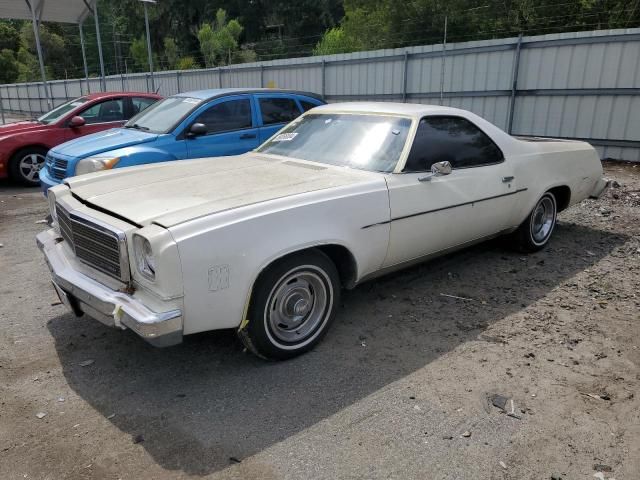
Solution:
(365, 142)
(163, 116)
(61, 110)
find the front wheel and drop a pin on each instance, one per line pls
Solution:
(25, 165)
(293, 304)
(534, 233)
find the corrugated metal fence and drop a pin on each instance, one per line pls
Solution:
(583, 85)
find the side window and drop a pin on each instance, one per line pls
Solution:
(306, 106)
(107, 111)
(278, 110)
(227, 116)
(452, 139)
(140, 103)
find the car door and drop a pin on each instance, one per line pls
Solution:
(274, 112)
(230, 128)
(102, 115)
(472, 202)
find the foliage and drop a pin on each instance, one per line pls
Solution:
(9, 37)
(201, 32)
(335, 41)
(9, 67)
(219, 41)
(138, 52)
(187, 63)
(170, 52)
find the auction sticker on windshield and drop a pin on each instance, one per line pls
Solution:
(285, 137)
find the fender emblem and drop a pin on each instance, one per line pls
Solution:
(218, 277)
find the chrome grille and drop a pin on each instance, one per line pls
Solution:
(57, 167)
(93, 244)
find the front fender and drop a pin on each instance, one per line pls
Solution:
(142, 155)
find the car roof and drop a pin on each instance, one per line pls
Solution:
(388, 108)
(94, 96)
(219, 92)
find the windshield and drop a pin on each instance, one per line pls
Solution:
(162, 116)
(366, 142)
(61, 110)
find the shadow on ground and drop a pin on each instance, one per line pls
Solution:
(202, 402)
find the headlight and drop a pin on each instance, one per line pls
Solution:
(95, 164)
(145, 261)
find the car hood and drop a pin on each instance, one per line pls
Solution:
(20, 127)
(174, 192)
(104, 141)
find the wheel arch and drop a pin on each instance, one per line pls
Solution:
(18, 149)
(343, 259)
(563, 196)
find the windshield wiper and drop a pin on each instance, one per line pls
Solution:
(137, 127)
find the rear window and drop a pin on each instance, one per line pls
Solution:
(278, 110)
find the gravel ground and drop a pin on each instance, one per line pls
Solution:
(400, 388)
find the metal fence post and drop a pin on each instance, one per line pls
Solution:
(404, 77)
(146, 77)
(178, 80)
(324, 65)
(122, 81)
(19, 99)
(514, 85)
(219, 77)
(2, 107)
(261, 75)
(29, 100)
(66, 91)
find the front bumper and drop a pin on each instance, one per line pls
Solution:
(601, 186)
(113, 308)
(46, 181)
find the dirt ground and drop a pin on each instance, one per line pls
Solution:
(400, 388)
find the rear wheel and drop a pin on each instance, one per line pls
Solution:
(292, 307)
(534, 233)
(25, 165)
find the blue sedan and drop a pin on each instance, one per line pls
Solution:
(205, 123)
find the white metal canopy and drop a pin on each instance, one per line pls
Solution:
(61, 11)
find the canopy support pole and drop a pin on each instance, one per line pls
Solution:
(95, 17)
(84, 56)
(146, 23)
(36, 32)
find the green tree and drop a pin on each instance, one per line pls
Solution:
(9, 37)
(219, 42)
(187, 63)
(138, 52)
(9, 66)
(171, 52)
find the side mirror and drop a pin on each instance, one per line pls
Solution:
(197, 129)
(438, 169)
(77, 121)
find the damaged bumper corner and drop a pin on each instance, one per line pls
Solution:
(601, 186)
(110, 307)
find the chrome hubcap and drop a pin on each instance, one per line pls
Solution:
(30, 166)
(542, 220)
(298, 305)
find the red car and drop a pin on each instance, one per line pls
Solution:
(24, 145)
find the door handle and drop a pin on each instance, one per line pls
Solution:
(246, 136)
(507, 179)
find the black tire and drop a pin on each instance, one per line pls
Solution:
(19, 170)
(536, 230)
(293, 304)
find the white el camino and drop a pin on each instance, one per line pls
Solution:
(263, 242)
